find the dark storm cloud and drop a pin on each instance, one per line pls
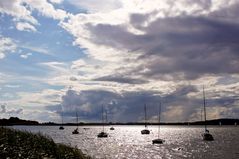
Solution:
(182, 92)
(87, 103)
(129, 106)
(121, 79)
(183, 47)
(55, 108)
(171, 48)
(190, 107)
(227, 13)
(123, 107)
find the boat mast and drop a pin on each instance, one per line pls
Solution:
(204, 104)
(106, 117)
(103, 118)
(62, 117)
(145, 116)
(77, 120)
(159, 119)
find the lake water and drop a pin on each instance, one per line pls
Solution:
(127, 141)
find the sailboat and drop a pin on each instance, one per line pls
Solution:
(206, 135)
(61, 127)
(102, 134)
(76, 130)
(158, 140)
(145, 131)
(111, 128)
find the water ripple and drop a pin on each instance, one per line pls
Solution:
(127, 142)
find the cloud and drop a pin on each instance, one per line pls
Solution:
(40, 115)
(37, 49)
(6, 46)
(56, 1)
(94, 6)
(40, 98)
(137, 44)
(47, 9)
(194, 48)
(11, 111)
(3, 107)
(154, 45)
(25, 27)
(56, 67)
(35, 113)
(25, 56)
(15, 111)
(121, 79)
(137, 52)
(16, 9)
(73, 79)
(127, 106)
(12, 86)
(22, 10)
(4, 77)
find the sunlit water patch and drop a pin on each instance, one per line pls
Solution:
(127, 141)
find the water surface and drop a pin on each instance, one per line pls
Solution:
(127, 141)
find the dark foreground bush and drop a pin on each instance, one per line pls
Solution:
(16, 144)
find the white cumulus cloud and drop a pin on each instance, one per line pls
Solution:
(22, 10)
(6, 46)
(25, 27)
(56, 1)
(25, 56)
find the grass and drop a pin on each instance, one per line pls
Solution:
(19, 144)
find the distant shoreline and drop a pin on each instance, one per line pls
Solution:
(16, 121)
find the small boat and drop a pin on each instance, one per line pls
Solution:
(106, 118)
(102, 134)
(206, 135)
(76, 130)
(145, 131)
(61, 127)
(158, 140)
(111, 128)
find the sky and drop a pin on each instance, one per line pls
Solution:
(77, 55)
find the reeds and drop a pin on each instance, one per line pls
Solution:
(19, 144)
